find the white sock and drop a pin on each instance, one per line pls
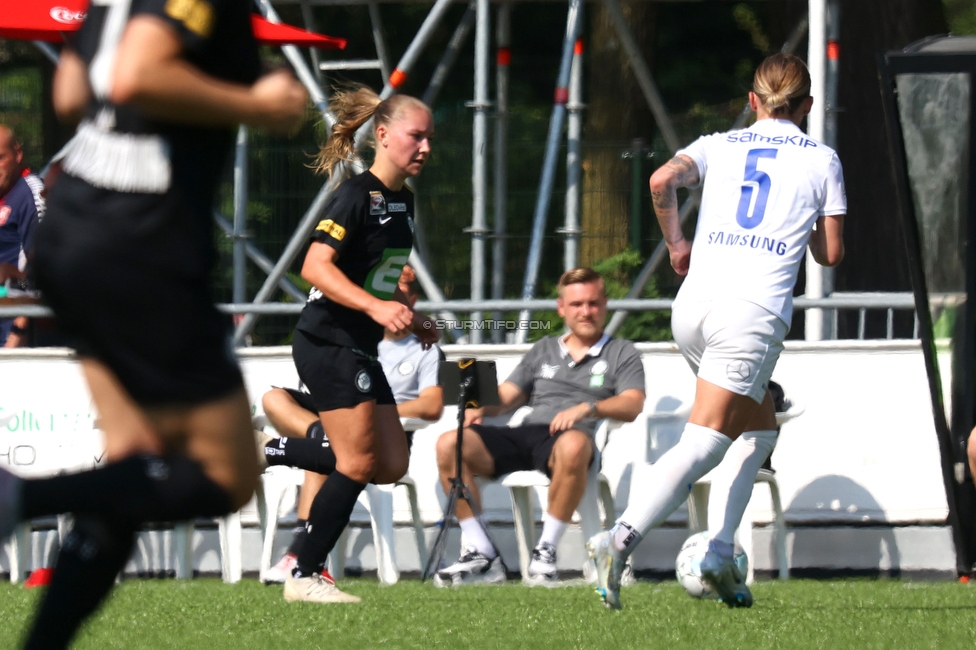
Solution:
(473, 534)
(552, 530)
(733, 480)
(670, 479)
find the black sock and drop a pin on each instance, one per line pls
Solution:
(315, 431)
(134, 490)
(93, 554)
(298, 539)
(329, 516)
(312, 455)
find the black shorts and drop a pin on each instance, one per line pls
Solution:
(307, 402)
(304, 399)
(338, 376)
(136, 299)
(516, 449)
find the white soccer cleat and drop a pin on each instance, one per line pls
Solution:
(280, 572)
(542, 568)
(317, 588)
(723, 576)
(609, 568)
(10, 489)
(471, 568)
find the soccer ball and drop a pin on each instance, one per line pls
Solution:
(687, 567)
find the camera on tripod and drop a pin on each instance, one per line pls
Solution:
(476, 380)
(472, 384)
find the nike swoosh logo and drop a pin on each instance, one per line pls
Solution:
(383, 221)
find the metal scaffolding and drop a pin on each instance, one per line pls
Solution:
(568, 101)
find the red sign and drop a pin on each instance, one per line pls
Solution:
(46, 20)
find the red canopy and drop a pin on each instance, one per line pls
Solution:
(48, 20)
(270, 33)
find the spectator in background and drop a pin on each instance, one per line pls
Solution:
(412, 373)
(570, 381)
(21, 209)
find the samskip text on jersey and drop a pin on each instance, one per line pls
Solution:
(747, 137)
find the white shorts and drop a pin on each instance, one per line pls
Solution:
(733, 344)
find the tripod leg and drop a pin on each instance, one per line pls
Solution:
(437, 552)
(457, 491)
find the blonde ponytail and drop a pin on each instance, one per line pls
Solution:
(353, 107)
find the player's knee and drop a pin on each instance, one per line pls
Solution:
(360, 467)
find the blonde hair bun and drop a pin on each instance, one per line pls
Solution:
(781, 82)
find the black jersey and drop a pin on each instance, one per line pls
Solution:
(371, 228)
(148, 169)
(125, 251)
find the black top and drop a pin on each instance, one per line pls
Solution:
(150, 169)
(371, 228)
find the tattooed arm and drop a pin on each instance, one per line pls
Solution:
(680, 171)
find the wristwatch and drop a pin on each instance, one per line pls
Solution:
(592, 406)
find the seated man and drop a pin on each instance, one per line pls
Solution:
(412, 373)
(570, 382)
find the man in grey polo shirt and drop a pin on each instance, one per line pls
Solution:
(571, 382)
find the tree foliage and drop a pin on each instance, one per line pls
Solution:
(961, 16)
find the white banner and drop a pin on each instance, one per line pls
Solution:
(865, 450)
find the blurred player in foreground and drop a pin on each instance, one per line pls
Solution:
(124, 256)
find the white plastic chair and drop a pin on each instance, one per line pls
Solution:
(79, 454)
(18, 547)
(377, 499)
(596, 495)
(230, 533)
(698, 511)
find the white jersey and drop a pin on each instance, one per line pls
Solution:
(764, 188)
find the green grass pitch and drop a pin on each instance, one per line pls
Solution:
(210, 615)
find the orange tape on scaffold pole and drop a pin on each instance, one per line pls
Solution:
(397, 77)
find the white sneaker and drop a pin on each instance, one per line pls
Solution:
(723, 576)
(628, 578)
(10, 489)
(542, 568)
(609, 568)
(318, 588)
(280, 572)
(472, 567)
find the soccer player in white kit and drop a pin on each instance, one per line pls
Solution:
(769, 192)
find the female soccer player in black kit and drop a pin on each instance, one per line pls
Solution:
(353, 263)
(124, 258)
